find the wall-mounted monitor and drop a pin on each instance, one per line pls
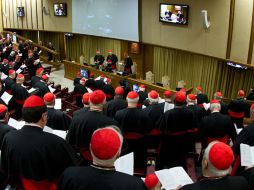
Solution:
(174, 13)
(20, 12)
(60, 9)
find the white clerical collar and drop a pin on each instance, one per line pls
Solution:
(33, 124)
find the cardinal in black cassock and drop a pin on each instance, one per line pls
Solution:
(79, 91)
(10, 80)
(37, 77)
(82, 111)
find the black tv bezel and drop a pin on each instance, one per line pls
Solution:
(23, 8)
(59, 4)
(187, 19)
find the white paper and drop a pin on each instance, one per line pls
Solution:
(19, 71)
(51, 89)
(173, 177)
(6, 98)
(206, 106)
(31, 90)
(247, 155)
(3, 76)
(20, 54)
(125, 164)
(168, 106)
(161, 100)
(23, 66)
(59, 133)
(16, 124)
(238, 130)
(58, 104)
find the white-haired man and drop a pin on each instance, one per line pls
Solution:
(105, 147)
(216, 126)
(216, 166)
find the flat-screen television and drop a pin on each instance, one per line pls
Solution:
(174, 13)
(20, 11)
(84, 73)
(60, 9)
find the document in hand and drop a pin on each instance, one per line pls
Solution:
(247, 155)
(16, 124)
(59, 133)
(173, 177)
(6, 98)
(3, 76)
(125, 164)
(58, 104)
(51, 89)
(31, 90)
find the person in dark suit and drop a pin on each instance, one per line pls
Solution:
(216, 168)
(111, 60)
(105, 147)
(98, 59)
(127, 63)
(224, 107)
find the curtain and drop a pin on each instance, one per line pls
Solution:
(78, 45)
(53, 37)
(197, 70)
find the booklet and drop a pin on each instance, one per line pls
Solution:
(58, 104)
(247, 155)
(173, 177)
(6, 97)
(125, 164)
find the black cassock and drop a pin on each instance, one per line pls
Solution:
(76, 81)
(154, 112)
(225, 183)
(8, 84)
(179, 137)
(31, 67)
(127, 64)
(84, 178)
(34, 80)
(238, 109)
(42, 87)
(246, 136)
(4, 129)
(80, 112)
(109, 92)
(216, 126)
(99, 58)
(113, 106)
(35, 154)
(142, 97)
(79, 91)
(83, 126)
(198, 113)
(58, 120)
(202, 98)
(224, 108)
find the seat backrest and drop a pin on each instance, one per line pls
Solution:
(29, 184)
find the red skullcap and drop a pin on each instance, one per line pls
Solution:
(241, 93)
(102, 75)
(199, 88)
(85, 98)
(218, 94)
(153, 96)
(98, 51)
(3, 108)
(33, 101)
(108, 80)
(11, 71)
(91, 74)
(191, 97)
(151, 181)
(5, 60)
(110, 51)
(180, 97)
(44, 77)
(78, 73)
(167, 93)
(221, 156)
(252, 107)
(214, 101)
(132, 97)
(105, 143)
(119, 90)
(49, 97)
(38, 71)
(142, 86)
(20, 76)
(97, 97)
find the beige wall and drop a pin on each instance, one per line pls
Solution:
(241, 30)
(193, 37)
(35, 18)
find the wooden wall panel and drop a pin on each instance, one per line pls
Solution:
(28, 8)
(4, 13)
(24, 20)
(15, 18)
(241, 30)
(11, 14)
(40, 15)
(34, 14)
(20, 21)
(7, 4)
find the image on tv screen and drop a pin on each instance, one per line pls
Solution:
(20, 11)
(60, 9)
(175, 14)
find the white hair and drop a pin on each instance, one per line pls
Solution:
(216, 106)
(211, 169)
